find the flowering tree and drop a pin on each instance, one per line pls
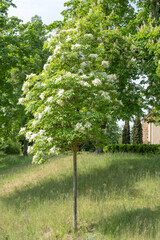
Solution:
(86, 83)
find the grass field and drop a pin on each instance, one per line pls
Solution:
(118, 198)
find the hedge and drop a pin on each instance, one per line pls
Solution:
(134, 148)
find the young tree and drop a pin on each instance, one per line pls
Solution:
(137, 131)
(126, 133)
(84, 84)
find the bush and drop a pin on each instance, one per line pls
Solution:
(134, 148)
(11, 147)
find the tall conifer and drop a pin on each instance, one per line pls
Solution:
(126, 133)
(137, 131)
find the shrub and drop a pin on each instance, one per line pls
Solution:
(134, 148)
(11, 147)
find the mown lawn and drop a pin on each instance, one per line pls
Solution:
(118, 197)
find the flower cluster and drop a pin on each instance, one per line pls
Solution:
(96, 82)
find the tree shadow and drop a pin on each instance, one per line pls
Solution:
(118, 179)
(143, 222)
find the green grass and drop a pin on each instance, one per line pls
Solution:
(118, 198)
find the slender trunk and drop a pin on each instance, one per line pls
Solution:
(75, 149)
(25, 146)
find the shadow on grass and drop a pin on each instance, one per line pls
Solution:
(136, 222)
(117, 178)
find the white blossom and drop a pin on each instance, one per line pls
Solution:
(31, 75)
(58, 80)
(105, 95)
(50, 139)
(30, 149)
(53, 149)
(38, 115)
(50, 58)
(41, 132)
(42, 95)
(25, 87)
(28, 135)
(34, 123)
(104, 74)
(92, 55)
(50, 99)
(75, 46)
(78, 126)
(22, 130)
(80, 71)
(33, 136)
(105, 64)
(60, 102)
(83, 83)
(21, 101)
(88, 35)
(45, 67)
(111, 77)
(83, 65)
(57, 49)
(84, 76)
(60, 92)
(68, 38)
(88, 125)
(47, 109)
(37, 156)
(68, 74)
(96, 82)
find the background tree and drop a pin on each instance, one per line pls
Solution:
(146, 44)
(137, 131)
(126, 133)
(29, 56)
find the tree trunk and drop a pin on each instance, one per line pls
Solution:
(25, 146)
(75, 149)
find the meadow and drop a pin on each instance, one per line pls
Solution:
(118, 197)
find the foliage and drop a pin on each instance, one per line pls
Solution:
(80, 88)
(28, 40)
(134, 148)
(126, 133)
(112, 134)
(146, 47)
(11, 147)
(137, 131)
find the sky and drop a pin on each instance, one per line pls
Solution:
(49, 10)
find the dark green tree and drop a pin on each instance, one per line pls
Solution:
(21, 54)
(137, 131)
(126, 133)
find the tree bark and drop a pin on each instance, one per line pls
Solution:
(25, 146)
(75, 149)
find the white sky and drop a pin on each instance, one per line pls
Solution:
(49, 10)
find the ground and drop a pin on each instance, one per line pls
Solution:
(118, 197)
